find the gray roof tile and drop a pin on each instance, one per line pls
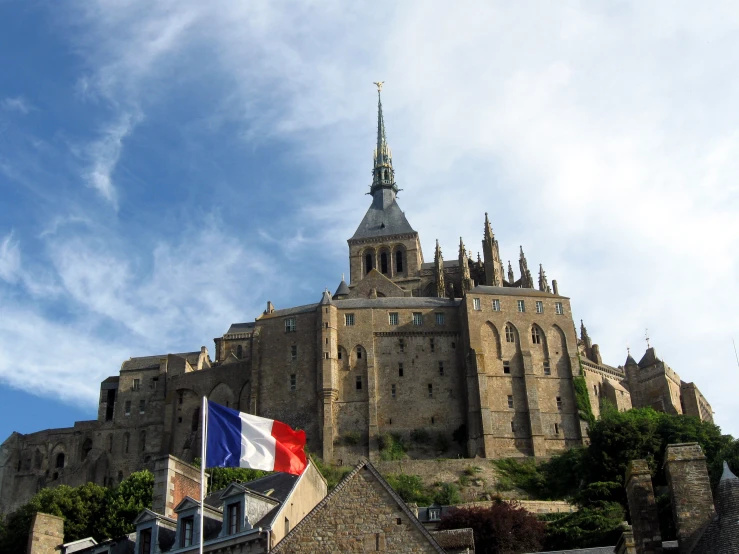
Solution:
(383, 218)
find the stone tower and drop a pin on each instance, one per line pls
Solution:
(384, 240)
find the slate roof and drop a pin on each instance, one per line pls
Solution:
(148, 362)
(384, 217)
(342, 290)
(397, 302)
(630, 360)
(721, 535)
(455, 539)
(511, 291)
(240, 328)
(364, 464)
(292, 311)
(649, 358)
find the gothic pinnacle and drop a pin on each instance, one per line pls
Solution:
(511, 277)
(439, 271)
(543, 283)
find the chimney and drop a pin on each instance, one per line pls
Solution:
(46, 534)
(173, 481)
(643, 508)
(690, 491)
(555, 288)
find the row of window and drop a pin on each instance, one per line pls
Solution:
(510, 334)
(142, 407)
(507, 368)
(556, 427)
(136, 385)
(394, 318)
(512, 406)
(520, 305)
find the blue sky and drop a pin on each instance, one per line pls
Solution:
(166, 167)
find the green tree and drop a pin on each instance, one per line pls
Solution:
(410, 488)
(134, 494)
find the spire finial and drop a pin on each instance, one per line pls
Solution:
(383, 175)
(342, 276)
(646, 337)
(379, 85)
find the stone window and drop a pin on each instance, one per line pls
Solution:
(338, 354)
(126, 442)
(60, 460)
(496, 305)
(128, 407)
(507, 367)
(433, 420)
(431, 390)
(558, 308)
(417, 318)
(401, 345)
(368, 263)
(154, 382)
(393, 317)
(348, 319)
(535, 335)
(359, 352)
(476, 305)
(145, 541)
(180, 397)
(399, 261)
(559, 403)
(434, 514)
(400, 369)
(294, 352)
(510, 335)
(547, 368)
(290, 325)
(136, 384)
(441, 369)
(510, 401)
(188, 524)
(439, 318)
(556, 428)
(359, 382)
(432, 344)
(539, 307)
(392, 391)
(326, 355)
(234, 511)
(239, 351)
(142, 406)
(293, 382)
(513, 426)
(521, 306)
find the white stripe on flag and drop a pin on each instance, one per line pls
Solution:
(257, 443)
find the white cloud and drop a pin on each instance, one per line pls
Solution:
(602, 139)
(10, 259)
(17, 104)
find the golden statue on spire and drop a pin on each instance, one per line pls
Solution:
(379, 85)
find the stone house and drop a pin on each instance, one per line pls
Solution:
(484, 360)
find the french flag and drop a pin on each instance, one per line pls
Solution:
(236, 439)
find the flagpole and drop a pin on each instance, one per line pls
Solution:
(203, 442)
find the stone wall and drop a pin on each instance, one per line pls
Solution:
(47, 533)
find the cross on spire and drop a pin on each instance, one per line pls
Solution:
(383, 174)
(646, 337)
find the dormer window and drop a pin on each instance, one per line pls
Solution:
(188, 526)
(434, 514)
(234, 513)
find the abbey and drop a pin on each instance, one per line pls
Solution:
(483, 360)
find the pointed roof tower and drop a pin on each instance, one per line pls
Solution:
(543, 283)
(511, 276)
(384, 216)
(439, 271)
(464, 267)
(527, 282)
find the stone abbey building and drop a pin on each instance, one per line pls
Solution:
(484, 359)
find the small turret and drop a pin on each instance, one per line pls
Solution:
(439, 271)
(629, 360)
(511, 277)
(464, 268)
(342, 291)
(527, 282)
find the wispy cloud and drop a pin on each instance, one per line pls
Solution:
(10, 259)
(16, 104)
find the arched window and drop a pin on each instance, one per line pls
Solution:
(60, 460)
(86, 447)
(383, 262)
(399, 261)
(384, 174)
(239, 351)
(535, 335)
(359, 352)
(368, 263)
(510, 335)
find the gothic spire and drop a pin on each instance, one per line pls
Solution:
(383, 175)
(493, 263)
(543, 283)
(464, 267)
(527, 282)
(511, 277)
(439, 271)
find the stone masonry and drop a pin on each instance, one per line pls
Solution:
(47, 533)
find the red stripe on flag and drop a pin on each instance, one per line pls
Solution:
(289, 452)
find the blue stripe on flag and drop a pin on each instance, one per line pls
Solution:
(224, 437)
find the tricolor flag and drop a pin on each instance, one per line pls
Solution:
(236, 439)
